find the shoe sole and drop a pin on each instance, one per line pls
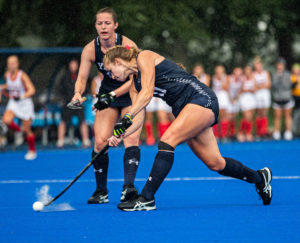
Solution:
(269, 172)
(102, 202)
(142, 209)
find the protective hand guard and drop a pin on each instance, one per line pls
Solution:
(104, 101)
(122, 125)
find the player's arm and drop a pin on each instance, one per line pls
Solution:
(146, 65)
(84, 71)
(29, 87)
(269, 82)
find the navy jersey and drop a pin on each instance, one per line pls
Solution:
(108, 84)
(178, 88)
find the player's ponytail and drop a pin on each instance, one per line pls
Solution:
(125, 53)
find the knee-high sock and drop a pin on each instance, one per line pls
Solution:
(132, 158)
(13, 126)
(162, 127)
(31, 142)
(224, 128)
(149, 129)
(237, 170)
(216, 130)
(264, 125)
(100, 169)
(243, 125)
(162, 165)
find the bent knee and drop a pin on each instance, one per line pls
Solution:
(132, 140)
(216, 164)
(99, 143)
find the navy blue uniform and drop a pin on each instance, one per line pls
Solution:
(178, 88)
(108, 84)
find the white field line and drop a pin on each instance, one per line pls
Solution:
(42, 181)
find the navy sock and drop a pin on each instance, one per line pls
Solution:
(100, 169)
(132, 157)
(237, 170)
(162, 165)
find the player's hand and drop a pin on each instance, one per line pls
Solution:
(114, 141)
(77, 97)
(121, 126)
(104, 101)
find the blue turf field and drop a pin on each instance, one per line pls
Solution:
(194, 204)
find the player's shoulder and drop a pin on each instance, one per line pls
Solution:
(127, 41)
(89, 47)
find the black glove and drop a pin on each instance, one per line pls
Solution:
(104, 101)
(122, 125)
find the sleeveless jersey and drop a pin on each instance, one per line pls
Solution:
(15, 87)
(235, 86)
(261, 78)
(178, 88)
(217, 84)
(108, 84)
(249, 84)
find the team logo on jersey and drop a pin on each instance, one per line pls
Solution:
(101, 67)
(159, 92)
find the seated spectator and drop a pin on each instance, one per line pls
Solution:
(283, 101)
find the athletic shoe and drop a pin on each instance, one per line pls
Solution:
(30, 155)
(86, 143)
(264, 189)
(288, 135)
(60, 143)
(19, 139)
(276, 135)
(138, 204)
(98, 197)
(128, 193)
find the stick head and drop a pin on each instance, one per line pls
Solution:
(76, 105)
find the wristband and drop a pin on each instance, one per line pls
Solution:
(112, 93)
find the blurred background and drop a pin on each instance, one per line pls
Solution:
(46, 35)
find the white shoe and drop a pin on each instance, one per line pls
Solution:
(19, 139)
(86, 143)
(60, 143)
(31, 155)
(276, 135)
(288, 135)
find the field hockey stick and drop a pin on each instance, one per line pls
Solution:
(76, 105)
(80, 174)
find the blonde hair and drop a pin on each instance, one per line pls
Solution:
(125, 53)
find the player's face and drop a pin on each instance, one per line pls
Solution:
(280, 67)
(73, 66)
(198, 70)
(248, 71)
(258, 66)
(105, 25)
(118, 71)
(12, 64)
(237, 72)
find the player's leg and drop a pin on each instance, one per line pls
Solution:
(150, 109)
(30, 139)
(132, 158)
(84, 129)
(205, 147)
(163, 111)
(103, 128)
(184, 127)
(288, 135)
(277, 122)
(8, 120)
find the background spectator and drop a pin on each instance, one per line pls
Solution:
(283, 102)
(65, 89)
